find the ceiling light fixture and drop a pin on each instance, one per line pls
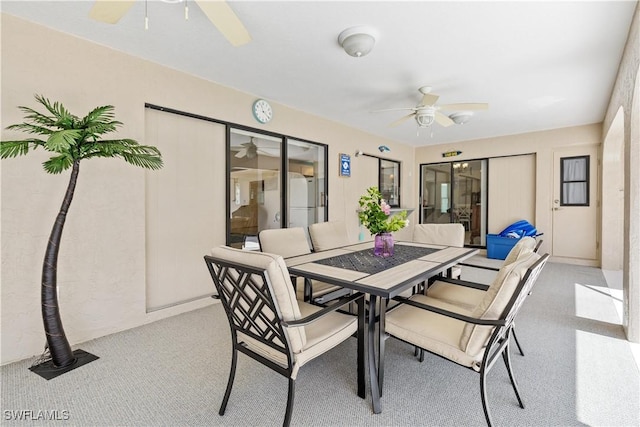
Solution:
(357, 41)
(461, 117)
(425, 117)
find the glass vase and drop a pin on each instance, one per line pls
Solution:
(383, 245)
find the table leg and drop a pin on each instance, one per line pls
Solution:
(381, 341)
(373, 372)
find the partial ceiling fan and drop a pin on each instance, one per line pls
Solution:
(254, 147)
(427, 111)
(219, 13)
(248, 150)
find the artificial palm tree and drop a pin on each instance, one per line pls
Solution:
(71, 139)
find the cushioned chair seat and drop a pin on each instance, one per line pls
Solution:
(431, 331)
(322, 335)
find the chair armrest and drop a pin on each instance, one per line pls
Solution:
(318, 314)
(483, 267)
(466, 283)
(448, 313)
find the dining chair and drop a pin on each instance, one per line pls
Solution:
(473, 338)
(288, 242)
(469, 295)
(268, 323)
(441, 234)
(328, 235)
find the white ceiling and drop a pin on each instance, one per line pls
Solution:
(540, 65)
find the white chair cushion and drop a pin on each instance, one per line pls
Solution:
(467, 298)
(525, 245)
(439, 234)
(285, 242)
(430, 331)
(328, 235)
(281, 286)
(322, 335)
(474, 337)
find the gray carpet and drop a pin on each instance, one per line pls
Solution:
(578, 370)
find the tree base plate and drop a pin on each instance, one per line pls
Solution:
(48, 370)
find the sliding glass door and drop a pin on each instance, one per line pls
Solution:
(455, 192)
(259, 197)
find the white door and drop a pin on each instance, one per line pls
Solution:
(575, 203)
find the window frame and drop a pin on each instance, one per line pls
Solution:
(586, 180)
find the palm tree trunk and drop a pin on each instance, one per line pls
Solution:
(57, 342)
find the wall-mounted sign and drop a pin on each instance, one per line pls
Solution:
(451, 153)
(345, 165)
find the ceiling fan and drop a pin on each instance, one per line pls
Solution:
(427, 111)
(248, 150)
(219, 13)
(254, 147)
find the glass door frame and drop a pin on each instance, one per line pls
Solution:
(484, 212)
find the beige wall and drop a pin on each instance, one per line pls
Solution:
(542, 144)
(102, 257)
(626, 95)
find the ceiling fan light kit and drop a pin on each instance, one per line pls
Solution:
(461, 117)
(425, 118)
(357, 41)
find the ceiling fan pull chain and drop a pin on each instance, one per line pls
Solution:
(146, 16)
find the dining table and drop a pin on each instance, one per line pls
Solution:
(356, 267)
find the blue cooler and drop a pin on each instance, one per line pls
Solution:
(499, 247)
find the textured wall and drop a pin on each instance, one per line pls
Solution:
(625, 95)
(102, 257)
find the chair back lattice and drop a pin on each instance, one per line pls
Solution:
(246, 295)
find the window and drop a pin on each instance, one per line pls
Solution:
(389, 181)
(574, 185)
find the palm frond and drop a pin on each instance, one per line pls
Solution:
(101, 114)
(62, 140)
(146, 161)
(57, 164)
(17, 148)
(64, 118)
(37, 117)
(145, 156)
(29, 128)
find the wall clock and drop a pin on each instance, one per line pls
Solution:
(262, 111)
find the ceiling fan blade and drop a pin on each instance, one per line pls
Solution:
(402, 120)
(443, 120)
(429, 99)
(394, 109)
(110, 11)
(470, 106)
(240, 154)
(226, 20)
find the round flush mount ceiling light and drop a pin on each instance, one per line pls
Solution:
(461, 117)
(357, 41)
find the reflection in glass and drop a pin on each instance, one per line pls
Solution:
(390, 182)
(255, 194)
(456, 193)
(306, 183)
(436, 181)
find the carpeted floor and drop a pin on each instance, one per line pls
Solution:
(577, 370)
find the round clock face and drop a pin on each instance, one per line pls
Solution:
(262, 111)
